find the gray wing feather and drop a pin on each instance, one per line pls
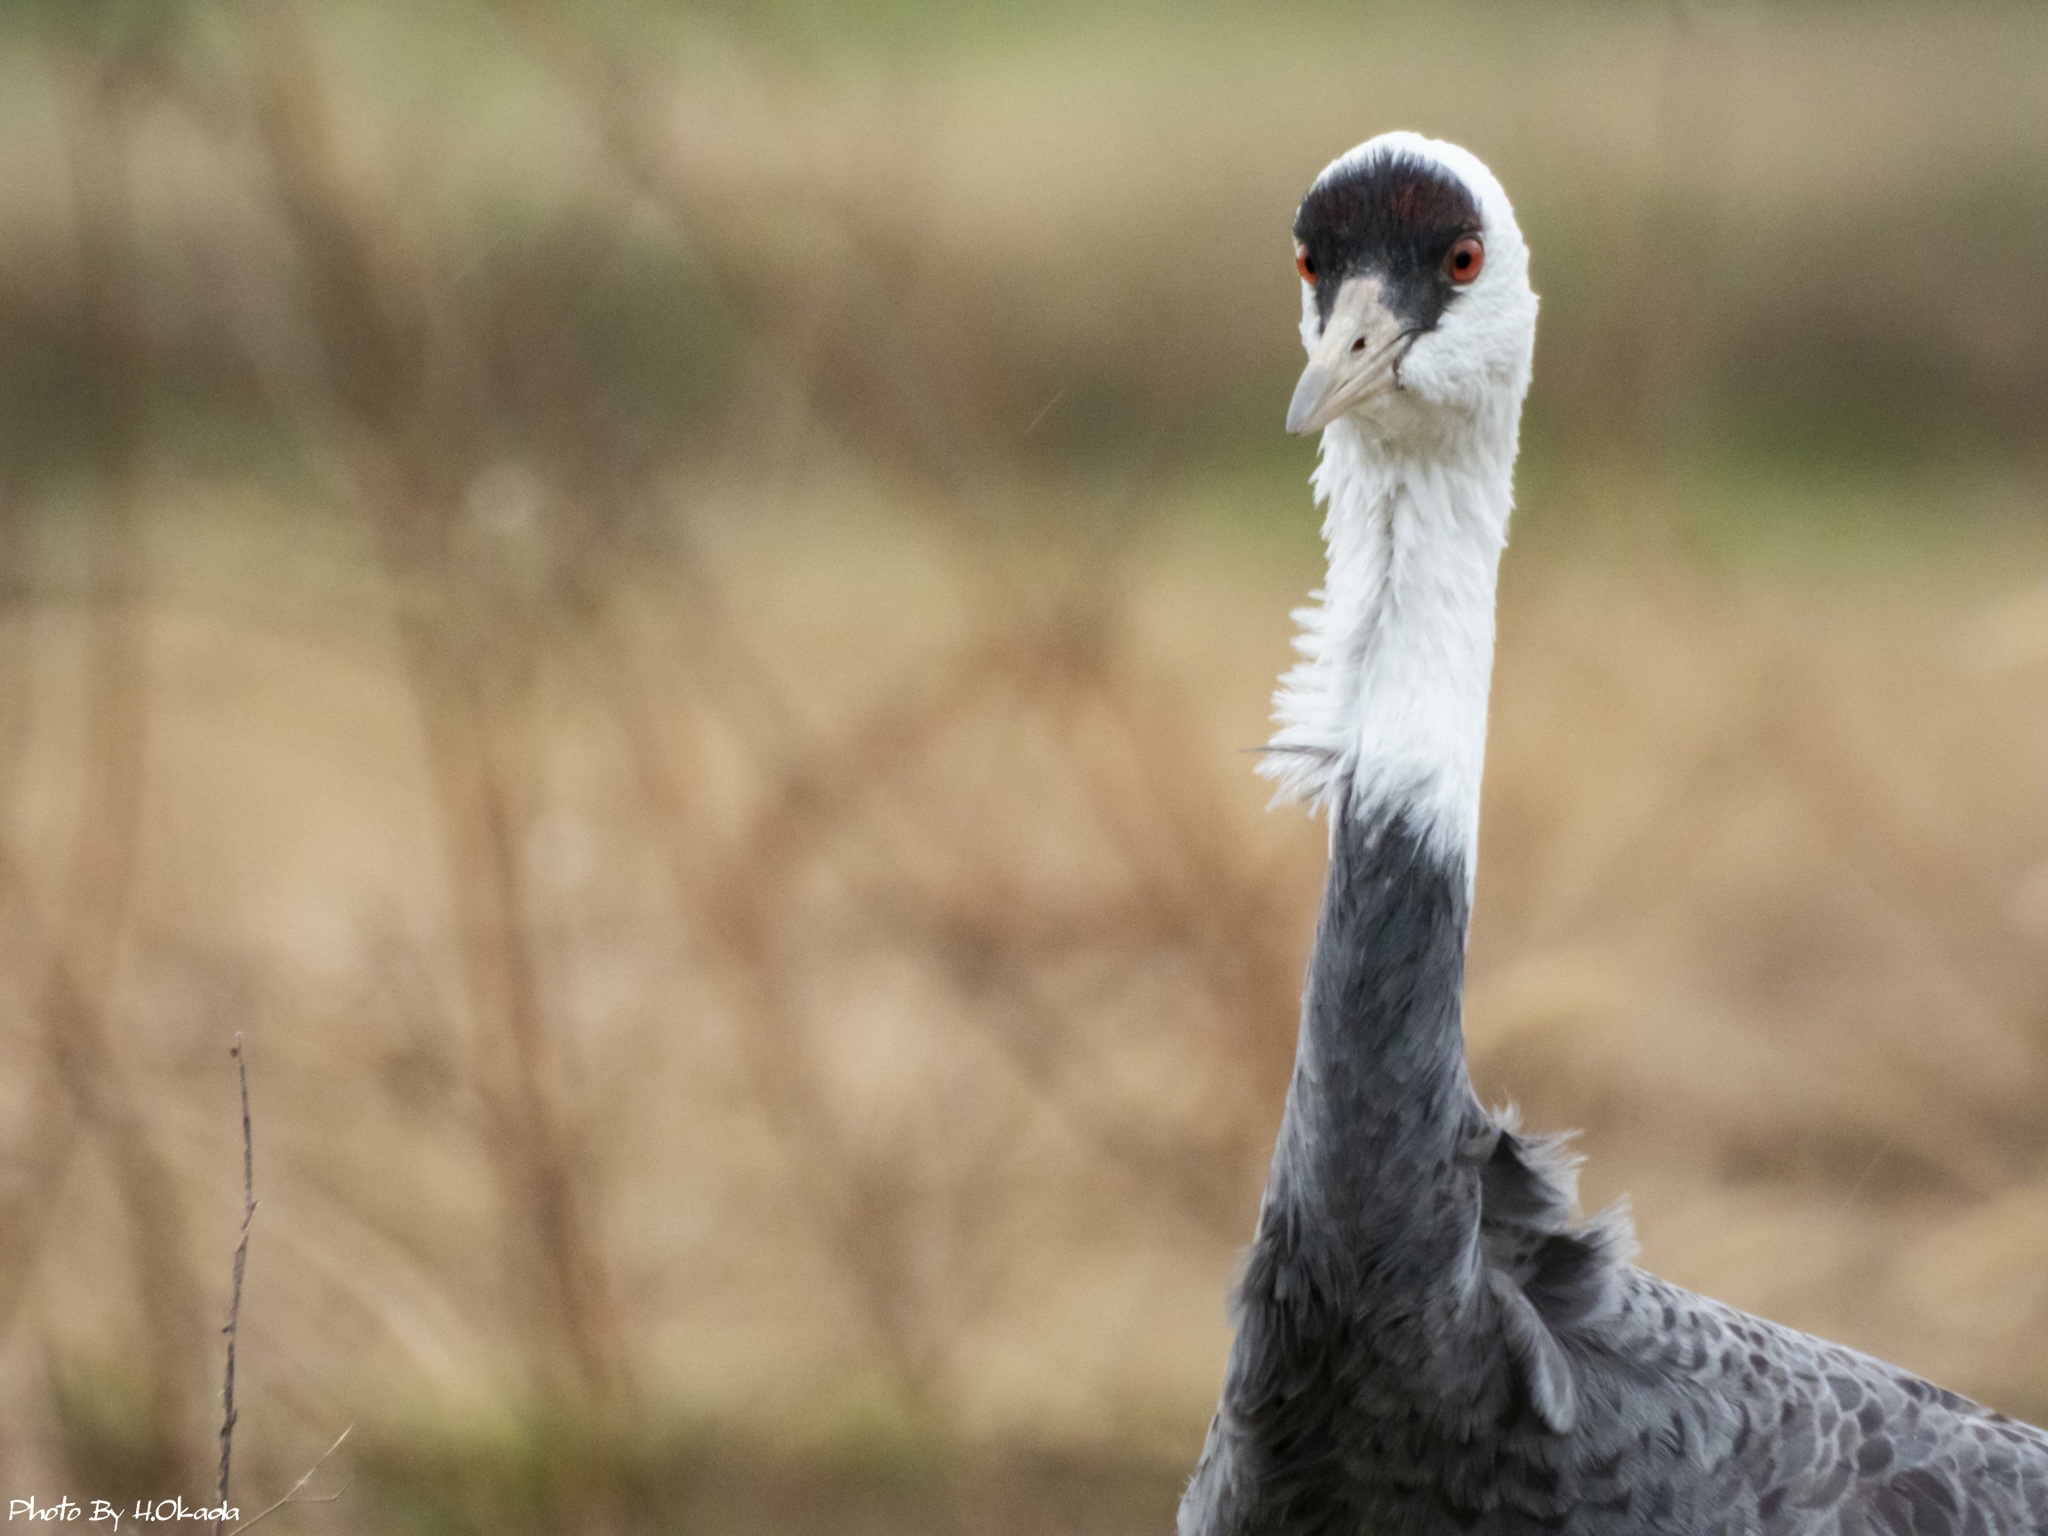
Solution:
(1776, 1431)
(1588, 1396)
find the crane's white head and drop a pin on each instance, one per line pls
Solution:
(1415, 301)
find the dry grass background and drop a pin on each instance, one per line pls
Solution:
(664, 609)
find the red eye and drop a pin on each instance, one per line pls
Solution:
(1304, 266)
(1465, 259)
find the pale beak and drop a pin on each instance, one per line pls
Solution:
(1356, 359)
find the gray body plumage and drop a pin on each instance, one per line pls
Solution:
(1427, 1341)
(1428, 1338)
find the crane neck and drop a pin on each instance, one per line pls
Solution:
(1383, 722)
(1386, 711)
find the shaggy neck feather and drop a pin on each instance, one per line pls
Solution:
(1388, 701)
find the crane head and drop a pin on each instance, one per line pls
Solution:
(1416, 307)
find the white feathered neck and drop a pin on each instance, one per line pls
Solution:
(1390, 695)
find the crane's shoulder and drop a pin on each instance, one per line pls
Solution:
(1746, 1425)
(1692, 1417)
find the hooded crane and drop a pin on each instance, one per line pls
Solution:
(1428, 1340)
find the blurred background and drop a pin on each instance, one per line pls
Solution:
(664, 608)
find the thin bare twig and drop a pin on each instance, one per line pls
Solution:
(228, 1414)
(291, 1494)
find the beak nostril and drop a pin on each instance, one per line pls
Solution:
(1353, 360)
